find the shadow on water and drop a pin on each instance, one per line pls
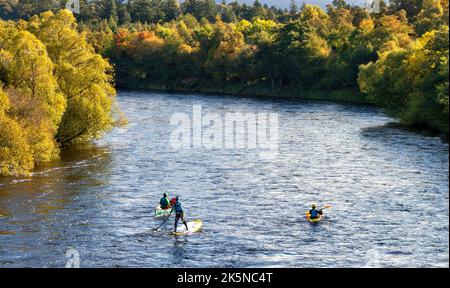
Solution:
(28, 201)
(394, 128)
(178, 251)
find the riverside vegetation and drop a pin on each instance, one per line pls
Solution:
(54, 90)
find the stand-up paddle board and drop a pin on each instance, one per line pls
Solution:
(194, 226)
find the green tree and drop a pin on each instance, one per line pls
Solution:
(432, 15)
(412, 7)
(8, 9)
(107, 9)
(298, 42)
(293, 9)
(201, 9)
(171, 9)
(140, 10)
(123, 14)
(258, 10)
(340, 4)
(412, 84)
(227, 13)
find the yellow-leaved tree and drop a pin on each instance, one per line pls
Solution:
(15, 153)
(35, 104)
(84, 77)
(54, 89)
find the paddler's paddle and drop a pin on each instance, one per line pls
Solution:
(324, 207)
(156, 229)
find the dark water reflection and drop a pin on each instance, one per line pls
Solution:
(388, 188)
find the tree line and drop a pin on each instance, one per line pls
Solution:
(119, 12)
(53, 77)
(396, 58)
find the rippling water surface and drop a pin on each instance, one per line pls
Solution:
(388, 188)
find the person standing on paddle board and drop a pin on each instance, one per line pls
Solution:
(165, 202)
(179, 213)
(314, 213)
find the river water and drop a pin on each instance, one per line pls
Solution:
(388, 189)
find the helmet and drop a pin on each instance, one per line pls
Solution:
(313, 206)
(177, 198)
(165, 195)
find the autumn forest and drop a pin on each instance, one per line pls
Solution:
(59, 70)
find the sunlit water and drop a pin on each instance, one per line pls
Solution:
(388, 188)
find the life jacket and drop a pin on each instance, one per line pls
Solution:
(178, 206)
(313, 213)
(164, 202)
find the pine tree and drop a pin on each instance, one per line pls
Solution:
(171, 9)
(293, 8)
(107, 9)
(412, 7)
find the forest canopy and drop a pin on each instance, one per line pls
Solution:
(396, 58)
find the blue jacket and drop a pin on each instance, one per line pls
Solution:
(314, 213)
(179, 206)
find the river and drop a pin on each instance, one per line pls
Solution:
(388, 189)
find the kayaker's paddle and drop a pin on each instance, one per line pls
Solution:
(324, 207)
(156, 229)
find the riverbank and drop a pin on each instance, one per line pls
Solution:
(350, 96)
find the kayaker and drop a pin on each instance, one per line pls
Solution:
(314, 213)
(165, 202)
(179, 213)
